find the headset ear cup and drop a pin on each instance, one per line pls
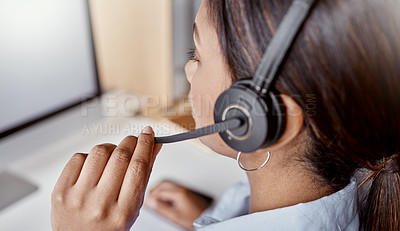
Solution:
(276, 117)
(260, 127)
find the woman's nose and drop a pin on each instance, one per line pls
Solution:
(190, 68)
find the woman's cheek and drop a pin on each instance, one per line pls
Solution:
(199, 110)
(203, 104)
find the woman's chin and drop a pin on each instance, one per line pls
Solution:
(216, 144)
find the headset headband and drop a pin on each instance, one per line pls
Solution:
(280, 44)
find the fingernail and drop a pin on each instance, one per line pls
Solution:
(147, 130)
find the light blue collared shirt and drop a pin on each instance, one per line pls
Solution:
(337, 211)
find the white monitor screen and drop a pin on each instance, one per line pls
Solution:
(47, 59)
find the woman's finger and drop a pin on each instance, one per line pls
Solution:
(173, 197)
(94, 164)
(165, 203)
(165, 184)
(70, 173)
(114, 172)
(156, 150)
(138, 172)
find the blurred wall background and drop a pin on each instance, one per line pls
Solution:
(142, 45)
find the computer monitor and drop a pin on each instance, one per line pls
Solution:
(47, 60)
(47, 65)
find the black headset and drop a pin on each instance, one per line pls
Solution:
(250, 114)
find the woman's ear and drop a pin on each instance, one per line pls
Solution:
(294, 123)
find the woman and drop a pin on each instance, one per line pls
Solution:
(340, 85)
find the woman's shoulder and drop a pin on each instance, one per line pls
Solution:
(337, 211)
(235, 202)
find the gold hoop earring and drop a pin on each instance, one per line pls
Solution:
(251, 170)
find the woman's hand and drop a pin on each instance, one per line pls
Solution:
(176, 203)
(104, 190)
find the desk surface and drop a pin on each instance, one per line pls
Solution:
(185, 162)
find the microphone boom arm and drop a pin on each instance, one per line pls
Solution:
(218, 127)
